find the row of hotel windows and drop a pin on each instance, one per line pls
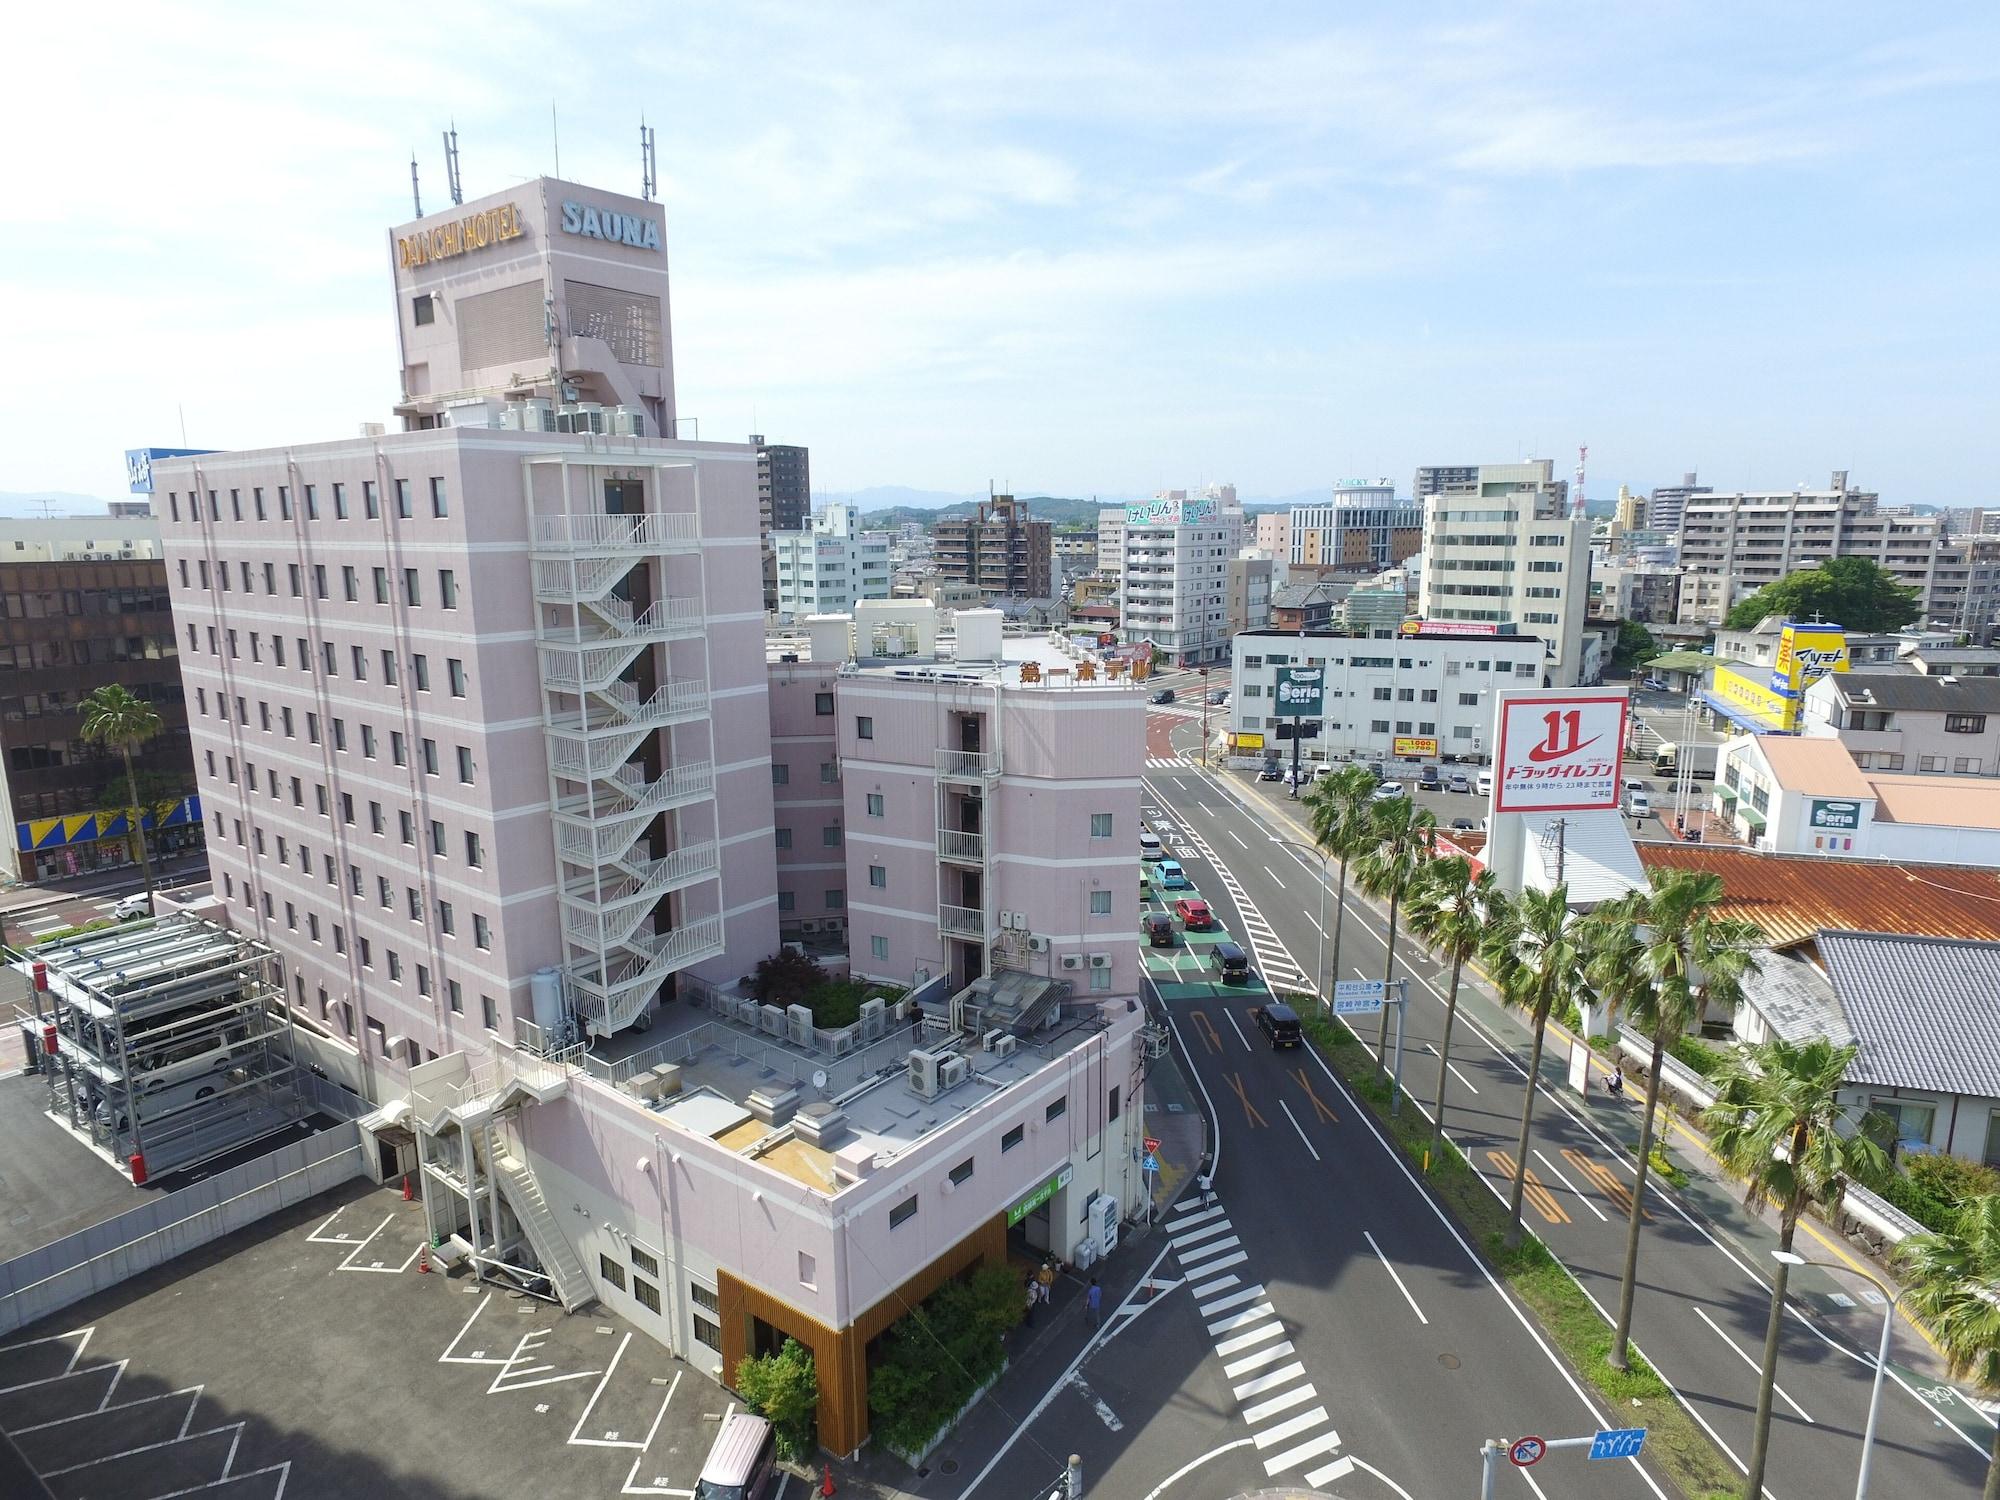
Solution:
(399, 745)
(330, 654)
(350, 581)
(371, 502)
(377, 1030)
(901, 1213)
(447, 916)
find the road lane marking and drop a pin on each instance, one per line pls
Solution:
(1432, 1049)
(1291, 1426)
(1580, 1196)
(1255, 1336)
(1275, 880)
(1319, 1105)
(1230, 1017)
(1744, 1355)
(1296, 1397)
(1395, 1278)
(1232, 833)
(1250, 1110)
(1258, 1360)
(1234, 1299)
(1207, 1031)
(1291, 1458)
(1258, 1384)
(1296, 1126)
(1532, 1192)
(1612, 1188)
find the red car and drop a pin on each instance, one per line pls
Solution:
(1194, 914)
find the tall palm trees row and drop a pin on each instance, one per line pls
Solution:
(1660, 960)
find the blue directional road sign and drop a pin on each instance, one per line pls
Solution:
(1619, 1442)
(1357, 997)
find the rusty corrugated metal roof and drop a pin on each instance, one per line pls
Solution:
(1793, 896)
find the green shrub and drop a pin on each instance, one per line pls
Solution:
(1697, 1054)
(938, 1354)
(783, 1388)
(1930, 1188)
(787, 978)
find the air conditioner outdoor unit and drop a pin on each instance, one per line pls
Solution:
(874, 1019)
(986, 1042)
(952, 1072)
(1071, 962)
(799, 1025)
(923, 1073)
(1100, 960)
(811, 924)
(1037, 943)
(798, 948)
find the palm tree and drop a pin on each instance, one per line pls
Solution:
(1450, 909)
(1399, 845)
(1341, 810)
(1537, 963)
(1777, 1123)
(112, 716)
(1951, 1277)
(1661, 957)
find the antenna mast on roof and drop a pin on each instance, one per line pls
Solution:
(416, 197)
(649, 173)
(452, 178)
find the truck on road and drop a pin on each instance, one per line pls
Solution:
(1700, 759)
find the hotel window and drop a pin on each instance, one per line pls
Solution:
(1056, 1110)
(874, 804)
(1965, 723)
(420, 669)
(1100, 825)
(381, 585)
(312, 502)
(368, 741)
(454, 671)
(395, 965)
(1012, 1138)
(284, 502)
(447, 589)
(878, 877)
(447, 919)
(482, 933)
(489, 1012)
(783, 837)
(439, 507)
(389, 666)
(474, 855)
(903, 1212)
(780, 773)
(465, 765)
(864, 727)
(830, 836)
(412, 593)
(350, 585)
(376, 822)
(878, 947)
(399, 748)
(416, 903)
(822, 704)
(423, 311)
(403, 499)
(408, 826)
(1100, 903)
(455, 996)
(611, 1271)
(236, 505)
(371, 499)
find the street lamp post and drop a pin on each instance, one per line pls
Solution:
(1319, 960)
(1790, 1258)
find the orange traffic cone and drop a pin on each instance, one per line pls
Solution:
(826, 1484)
(424, 1259)
(407, 1195)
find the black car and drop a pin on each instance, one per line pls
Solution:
(1429, 779)
(1271, 772)
(1159, 929)
(1232, 964)
(1279, 1022)
(1461, 825)
(1164, 695)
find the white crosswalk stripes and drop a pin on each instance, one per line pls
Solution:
(1169, 763)
(1267, 1379)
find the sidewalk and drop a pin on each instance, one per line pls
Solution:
(1841, 1304)
(20, 898)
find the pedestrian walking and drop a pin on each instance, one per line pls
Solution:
(1094, 1299)
(1034, 1291)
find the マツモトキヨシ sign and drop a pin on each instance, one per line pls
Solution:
(1559, 751)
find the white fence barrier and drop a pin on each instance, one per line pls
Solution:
(67, 1270)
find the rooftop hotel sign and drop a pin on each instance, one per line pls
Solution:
(457, 236)
(607, 224)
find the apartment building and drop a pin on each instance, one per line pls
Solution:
(1751, 539)
(830, 566)
(481, 699)
(1501, 547)
(784, 499)
(1426, 695)
(999, 549)
(91, 610)
(1364, 530)
(1667, 502)
(1378, 607)
(1175, 585)
(1647, 593)
(1111, 543)
(1273, 535)
(1249, 606)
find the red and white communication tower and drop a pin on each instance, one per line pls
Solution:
(1576, 499)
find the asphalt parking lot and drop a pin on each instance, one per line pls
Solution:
(307, 1358)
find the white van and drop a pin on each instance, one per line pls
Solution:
(743, 1464)
(1637, 804)
(1483, 785)
(1150, 846)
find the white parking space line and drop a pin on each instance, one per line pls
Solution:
(1743, 1355)
(1296, 1126)
(1395, 1278)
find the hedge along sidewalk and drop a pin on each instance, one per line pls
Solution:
(1566, 1313)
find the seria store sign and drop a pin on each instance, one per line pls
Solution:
(1558, 752)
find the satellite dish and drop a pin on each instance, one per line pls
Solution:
(819, 1079)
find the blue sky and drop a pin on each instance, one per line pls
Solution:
(1080, 249)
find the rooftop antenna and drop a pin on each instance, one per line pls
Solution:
(555, 136)
(649, 175)
(451, 164)
(416, 197)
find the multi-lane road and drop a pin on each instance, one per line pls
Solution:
(1314, 1186)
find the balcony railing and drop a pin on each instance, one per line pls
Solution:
(968, 765)
(961, 848)
(600, 533)
(962, 921)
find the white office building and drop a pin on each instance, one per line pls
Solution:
(831, 567)
(1417, 698)
(1174, 591)
(1501, 548)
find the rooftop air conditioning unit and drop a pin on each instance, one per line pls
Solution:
(874, 1018)
(1100, 960)
(1071, 962)
(952, 1072)
(1037, 943)
(799, 1025)
(1006, 1044)
(924, 1073)
(628, 421)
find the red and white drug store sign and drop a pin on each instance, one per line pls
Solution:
(1559, 751)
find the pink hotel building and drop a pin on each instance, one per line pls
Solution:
(495, 761)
